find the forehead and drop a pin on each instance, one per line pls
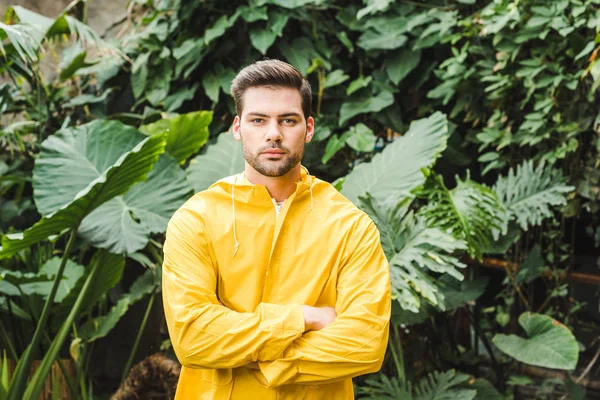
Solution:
(271, 101)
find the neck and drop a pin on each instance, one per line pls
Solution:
(279, 187)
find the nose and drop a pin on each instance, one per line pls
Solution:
(273, 132)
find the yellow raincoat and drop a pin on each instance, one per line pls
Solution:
(235, 278)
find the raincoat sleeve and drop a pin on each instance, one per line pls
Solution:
(355, 343)
(204, 333)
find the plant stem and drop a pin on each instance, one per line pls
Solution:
(138, 338)
(9, 344)
(497, 366)
(17, 387)
(35, 387)
(397, 354)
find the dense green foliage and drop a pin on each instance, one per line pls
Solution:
(464, 130)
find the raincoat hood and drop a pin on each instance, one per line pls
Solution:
(246, 191)
(236, 275)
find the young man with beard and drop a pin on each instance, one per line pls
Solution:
(275, 286)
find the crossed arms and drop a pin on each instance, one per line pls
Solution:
(286, 342)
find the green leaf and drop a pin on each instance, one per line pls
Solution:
(101, 262)
(362, 105)
(69, 186)
(212, 86)
(83, 99)
(458, 294)
(222, 159)
(277, 22)
(291, 4)
(186, 133)
(220, 26)
(139, 75)
(470, 211)
(72, 273)
(401, 64)
(99, 327)
(532, 267)
(253, 14)
(76, 63)
(550, 344)
(124, 224)
(262, 38)
(358, 84)
(335, 78)
(334, 144)
(361, 138)
(299, 53)
(389, 39)
(531, 192)
(413, 250)
(485, 390)
(448, 385)
(175, 100)
(397, 170)
(373, 6)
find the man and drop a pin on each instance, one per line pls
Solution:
(274, 285)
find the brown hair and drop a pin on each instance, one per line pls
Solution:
(271, 74)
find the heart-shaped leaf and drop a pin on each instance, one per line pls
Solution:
(550, 344)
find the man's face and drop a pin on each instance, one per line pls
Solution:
(273, 129)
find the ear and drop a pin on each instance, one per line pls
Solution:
(236, 128)
(310, 129)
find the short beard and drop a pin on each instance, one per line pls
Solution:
(290, 160)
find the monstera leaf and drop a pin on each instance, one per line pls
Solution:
(396, 171)
(124, 224)
(222, 159)
(530, 192)
(471, 212)
(78, 170)
(414, 251)
(550, 344)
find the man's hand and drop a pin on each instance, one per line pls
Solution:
(317, 318)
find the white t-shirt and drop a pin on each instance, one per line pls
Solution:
(278, 206)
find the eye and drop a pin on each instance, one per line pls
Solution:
(257, 120)
(288, 121)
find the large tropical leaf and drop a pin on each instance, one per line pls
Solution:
(530, 192)
(396, 171)
(471, 212)
(186, 132)
(70, 181)
(222, 159)
(124, 224)
(550, 344)
(415, 251)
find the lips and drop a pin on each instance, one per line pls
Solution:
(274, 152)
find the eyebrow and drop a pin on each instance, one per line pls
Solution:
(257, 114)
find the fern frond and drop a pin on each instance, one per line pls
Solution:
(470, 212)
(530, 193)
